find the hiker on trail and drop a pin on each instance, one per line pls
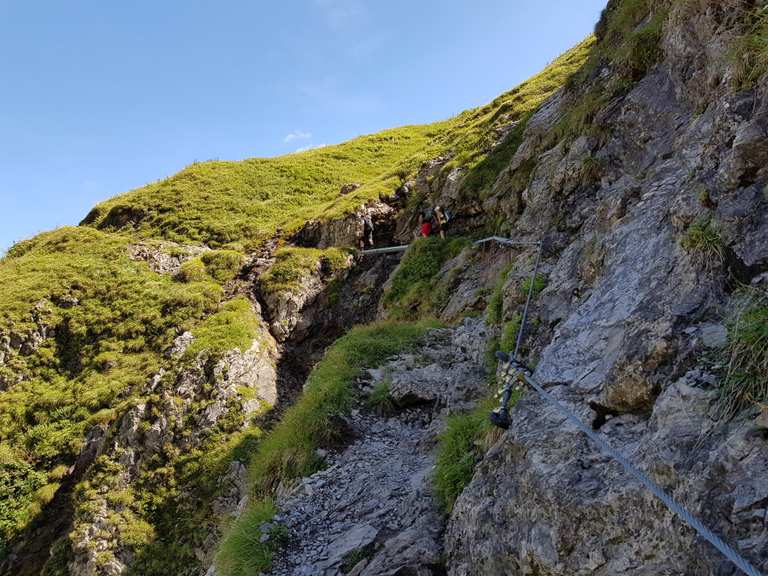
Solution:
(367, 239)
(433, 220)
(426, 222)
(441, 218)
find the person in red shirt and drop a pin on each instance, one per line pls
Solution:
(426, 222)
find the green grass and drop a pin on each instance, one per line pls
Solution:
(235, 326)
(293, 265)
(703, 242)
(220, 203)
(539, 282)
(411, 294)
(495, 308)
(747, 379)
(242, 552)
(105, 348)
(219, 265)
(461, 446)
(288, 452)
(750, 50)
(222, 265)
(193, 271)
(509, 333)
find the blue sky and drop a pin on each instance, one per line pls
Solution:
(101, 97)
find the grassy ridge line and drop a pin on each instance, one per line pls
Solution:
(242, 203)
(288, 451)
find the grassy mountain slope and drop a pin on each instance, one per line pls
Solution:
(244, 202)
(86, 326)
(103, 323)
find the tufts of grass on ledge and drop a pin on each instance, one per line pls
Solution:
(379, 399)
(461, 446)
(750, 50)
(629, 35)
(629, 38)
(747, 380)
(703, 242)
(495, 309)
(509, 333)
(236, 325)
(219, 265)
(539, 282)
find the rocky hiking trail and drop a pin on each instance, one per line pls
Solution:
(372, 510)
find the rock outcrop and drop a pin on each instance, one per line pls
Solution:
(164, 257)
(635, 322)
(349, 230)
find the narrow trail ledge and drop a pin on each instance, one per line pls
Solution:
(372, 510)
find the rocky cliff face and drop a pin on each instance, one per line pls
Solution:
(634, 325)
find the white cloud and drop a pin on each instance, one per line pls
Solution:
(297, 135)
(310, 147)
